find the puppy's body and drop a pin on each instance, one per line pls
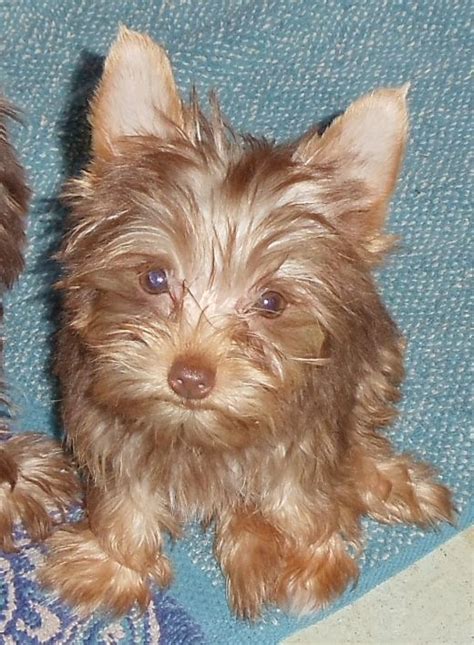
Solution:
(34, 475)
(224, 353)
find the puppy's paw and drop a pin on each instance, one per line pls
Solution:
(250, 585)
(86, 577)
(35, 479)
(406, 491)
(249, 551)
(314, 576)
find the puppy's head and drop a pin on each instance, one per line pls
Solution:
(209, 276)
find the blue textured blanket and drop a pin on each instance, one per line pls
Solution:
(279, 66)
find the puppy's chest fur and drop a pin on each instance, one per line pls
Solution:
(196, 483)
(199, 484)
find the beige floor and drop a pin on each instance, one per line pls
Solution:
(430, 603)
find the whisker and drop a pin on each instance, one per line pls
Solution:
(201, 309)
(311, 361)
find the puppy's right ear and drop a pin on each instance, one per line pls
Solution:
(137, 94)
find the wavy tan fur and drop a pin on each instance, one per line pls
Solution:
(284, 450)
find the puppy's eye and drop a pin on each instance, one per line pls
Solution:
(270, 304)
(154, 281)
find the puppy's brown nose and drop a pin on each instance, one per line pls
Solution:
(190, 379)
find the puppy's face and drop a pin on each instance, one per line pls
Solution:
(207, 276)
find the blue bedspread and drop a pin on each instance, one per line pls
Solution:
(279, 66)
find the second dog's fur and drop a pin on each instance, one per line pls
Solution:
(35, 477)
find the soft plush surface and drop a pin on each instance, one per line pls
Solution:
(279, 67)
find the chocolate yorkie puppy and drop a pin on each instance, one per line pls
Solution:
(224, 353)
(34, 475)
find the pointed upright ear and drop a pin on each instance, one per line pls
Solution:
(137, 94)
(362, 151)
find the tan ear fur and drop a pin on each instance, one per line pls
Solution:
(365, 146)
(137, 94)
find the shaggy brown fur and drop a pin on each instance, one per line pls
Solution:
(14, 198)
(224, 352)
(34, 475)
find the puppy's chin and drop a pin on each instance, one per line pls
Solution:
(203, 427)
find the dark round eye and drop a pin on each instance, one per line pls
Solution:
(270, 304)
(154, 281)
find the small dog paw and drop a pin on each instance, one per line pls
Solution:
(249, 551)
(85, 576)
(35, 479)
(250, 587)
(315, 576)
(407, 492)
(434, 502)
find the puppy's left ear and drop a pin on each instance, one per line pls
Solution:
(360, 155)
(137, 94)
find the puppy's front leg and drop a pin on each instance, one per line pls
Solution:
(107, 562)
(249, 549)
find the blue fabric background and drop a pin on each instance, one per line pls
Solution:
(279, 66)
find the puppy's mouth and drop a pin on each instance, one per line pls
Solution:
(199, 407)
(193, 405)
